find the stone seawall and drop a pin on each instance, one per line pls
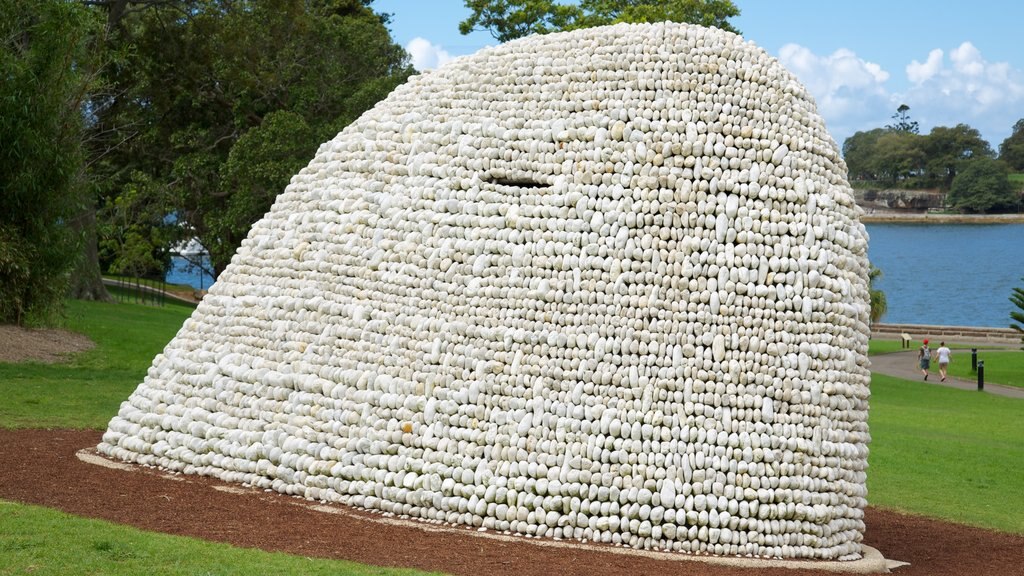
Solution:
(877, 217)
(971, 334)
(899, 199)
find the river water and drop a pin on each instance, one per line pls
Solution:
(948, 274)
(944, 274)
(182, 273)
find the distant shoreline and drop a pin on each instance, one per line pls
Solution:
(925, 218)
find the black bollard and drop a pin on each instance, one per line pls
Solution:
(974, 359)
(981, 375)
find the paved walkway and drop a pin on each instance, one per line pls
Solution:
(904, 365)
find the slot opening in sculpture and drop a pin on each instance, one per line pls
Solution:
(518, 183)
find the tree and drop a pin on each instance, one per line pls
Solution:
(860, 152)
(273, 78)
(261, 163)
(1011, 151)
(903, 122)
(44, 48)
(879, 305)
(983, 186)
(510, 19)
(1017, 297)
(136, 233)
(948, 149)
(898, 155)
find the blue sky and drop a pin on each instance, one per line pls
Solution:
(951, 62)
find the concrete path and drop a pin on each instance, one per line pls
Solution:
(904, 365)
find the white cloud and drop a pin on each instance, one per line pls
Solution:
(967, 60)
(426, 55)
(842, 69)
(849, 91)
(987, 96)
(918, 72)
(948, 88)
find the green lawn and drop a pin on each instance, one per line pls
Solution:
(40, 541)
(1002, 367)
(935, 451)
(876, 346)
(86, 392)
(947, 453)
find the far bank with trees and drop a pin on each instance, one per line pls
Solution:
(950, 169)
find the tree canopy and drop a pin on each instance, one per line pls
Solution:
(510, 19)
(953, 159)
(983, 186)
(44, 52)
(947, 149)
(223, 102)
(1011, 150)
(897, 155)
(903, 123)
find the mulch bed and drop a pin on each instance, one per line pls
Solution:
(19, 344)
(41, 467)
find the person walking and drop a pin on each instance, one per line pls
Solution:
(924, 358)
(943, 356)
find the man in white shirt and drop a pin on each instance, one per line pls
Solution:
(942, 355)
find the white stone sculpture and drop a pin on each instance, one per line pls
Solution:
(606, 285)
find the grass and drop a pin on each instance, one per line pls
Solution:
(87, 391)
(876, 346)
(947, 453)
(1002, 367)
(40, 541)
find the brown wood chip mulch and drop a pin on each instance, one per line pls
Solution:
(41, 467)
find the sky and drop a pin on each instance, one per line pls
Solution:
(950, 62)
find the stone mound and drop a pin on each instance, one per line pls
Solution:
(606, 285)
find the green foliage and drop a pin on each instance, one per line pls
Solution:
(261, 163)
(946, 453)
(879, 305)
(884, 154)
(903, 123)
(948, 150)
(136, 234)
(196, 83)
(510, 19)
(1017, 297)
(88, 546)
(859, 152)
(898, 155)
(43, 47)
(982, 187)
(1011, 150)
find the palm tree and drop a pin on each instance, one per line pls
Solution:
(878, 303)
(1018, 300)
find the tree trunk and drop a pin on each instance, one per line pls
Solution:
(86, 281)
